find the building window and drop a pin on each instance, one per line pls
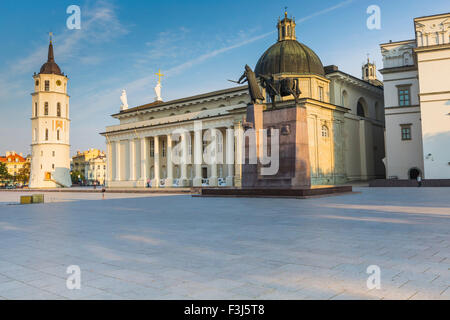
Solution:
(47, 85)
(53, 166)
(321, 93)
(46, 109)
(163, 148)
(46, 134)
(53, 153)
(219, 142)
(35, 109)
(406, 132)
(190, 147)
(57, 134)
(152, 148)
(360, 110)
(42, 153)
(404, 96)
(58, 110)
(325, 132)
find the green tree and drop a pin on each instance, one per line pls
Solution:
(23, 174)
(4, 175)
(74, 175)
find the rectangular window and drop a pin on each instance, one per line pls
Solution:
(404, 96)
(321, 93)
(406, 132)
(47, 85)
(163, 148)
(152, 148)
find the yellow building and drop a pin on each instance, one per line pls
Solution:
(91, 164)
(14, 162)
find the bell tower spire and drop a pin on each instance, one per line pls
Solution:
(51, 57)
(286, 28)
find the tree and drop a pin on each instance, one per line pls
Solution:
(4, 175)
(23, 174)
(74, 175)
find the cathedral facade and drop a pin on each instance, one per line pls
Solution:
(345, 123)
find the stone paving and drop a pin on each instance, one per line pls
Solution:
(182, 247)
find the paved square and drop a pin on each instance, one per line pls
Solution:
(179, 247)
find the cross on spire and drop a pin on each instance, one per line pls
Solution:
(159, 74)
(50, 35)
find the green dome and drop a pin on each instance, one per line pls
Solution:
(289, 56)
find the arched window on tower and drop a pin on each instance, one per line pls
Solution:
(58, 109)
(57, 134)
(46, 134)
(325, 132)
(35, 109)
(46, 109)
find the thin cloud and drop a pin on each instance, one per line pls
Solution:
(99, 24)
(141, 87)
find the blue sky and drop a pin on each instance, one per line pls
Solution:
(198, 45)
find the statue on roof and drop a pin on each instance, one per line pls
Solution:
(158, 87)
(124, 100)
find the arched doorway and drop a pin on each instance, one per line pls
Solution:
(413, 173)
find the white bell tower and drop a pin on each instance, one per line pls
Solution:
(50, 147)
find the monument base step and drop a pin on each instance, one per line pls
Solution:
(274, 192)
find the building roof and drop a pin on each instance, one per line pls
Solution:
(289, 56)
(50, 67)
(11, 157)
(334, 69)
(183, 100)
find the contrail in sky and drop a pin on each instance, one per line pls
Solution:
(177, 69)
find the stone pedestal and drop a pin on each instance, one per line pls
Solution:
(294, 165)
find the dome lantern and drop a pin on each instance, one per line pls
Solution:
(286, 28)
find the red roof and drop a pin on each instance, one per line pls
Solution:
(12, 158)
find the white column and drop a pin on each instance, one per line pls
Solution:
(198, 157)
(118, 162)
(109, 162)
(144, 156)
(230, 156)
(239, 152)
(169, 166)
(132, 164)
(213, 181)
(183, 182)
(156, 181)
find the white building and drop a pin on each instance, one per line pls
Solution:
(344, 114)
(417, 101)
(50, 165)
